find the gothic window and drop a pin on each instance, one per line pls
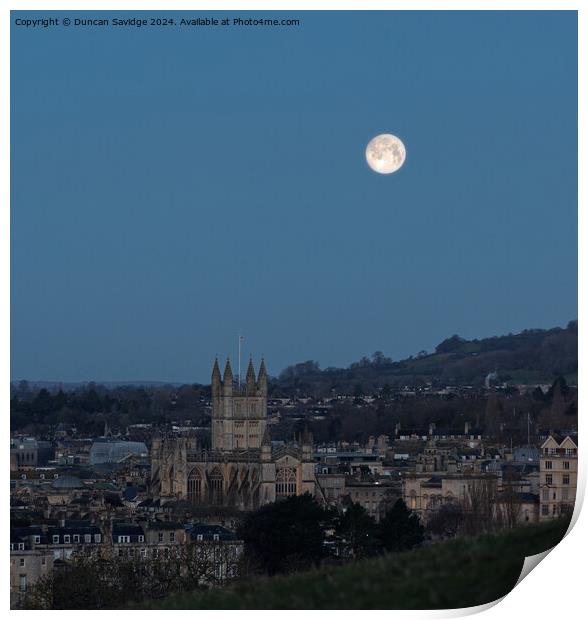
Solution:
(171, 480)
(194, 486)
(285, 482)
(215, 486)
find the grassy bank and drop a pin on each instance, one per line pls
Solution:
(459, 573)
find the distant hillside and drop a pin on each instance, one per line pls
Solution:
(534, 356)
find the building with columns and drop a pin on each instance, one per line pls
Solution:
(242, 469)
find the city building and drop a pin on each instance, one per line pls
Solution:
(242, 468)
(558, 476)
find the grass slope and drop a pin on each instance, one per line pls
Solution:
(454, 574)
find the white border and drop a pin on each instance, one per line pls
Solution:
(555, 587)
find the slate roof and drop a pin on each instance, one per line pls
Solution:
(164, 525)
(208, 532)
(130, 494)
(126, 529)
(68, 482)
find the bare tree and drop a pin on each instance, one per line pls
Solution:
(479, 506)
(99, 583)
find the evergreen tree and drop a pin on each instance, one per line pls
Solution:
(359, 530)
(286, 535)
(400, 529)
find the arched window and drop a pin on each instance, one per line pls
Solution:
(285, 482)
(413, 500)
(194, 486)
(215, 486)
(172, 481)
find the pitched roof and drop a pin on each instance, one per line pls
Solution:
(208, 532)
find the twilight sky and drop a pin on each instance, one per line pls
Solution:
(173, 187)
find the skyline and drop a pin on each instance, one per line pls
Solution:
(170, 191)
(233, 358)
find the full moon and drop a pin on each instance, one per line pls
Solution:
(385, 153)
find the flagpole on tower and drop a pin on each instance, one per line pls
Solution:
(241, 338)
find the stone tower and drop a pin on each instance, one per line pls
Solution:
(239, 412)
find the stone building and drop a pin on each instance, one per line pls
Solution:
(375, 497)
(424, 493)
(242, 469)
(27, 566)
(558, 476)
(436, 459)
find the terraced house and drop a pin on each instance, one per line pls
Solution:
(558, 475)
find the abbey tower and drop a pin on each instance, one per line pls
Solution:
(239, 411)
(243, 468)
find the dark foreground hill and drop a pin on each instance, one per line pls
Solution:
(535, 356)
(460, 573)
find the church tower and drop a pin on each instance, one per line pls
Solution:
(239, 410)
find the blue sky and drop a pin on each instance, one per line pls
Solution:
(174, 187)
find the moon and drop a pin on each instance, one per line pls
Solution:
(385, 153)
